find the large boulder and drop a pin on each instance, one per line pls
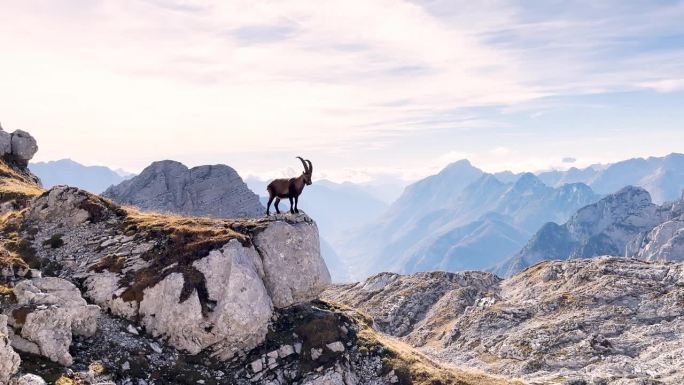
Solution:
(28, 379)
(19, 146)
(241, 306)
(294, 271)
(48, 312)
(9, 359)
(24, 146)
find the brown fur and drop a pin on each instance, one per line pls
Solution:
(289, 188)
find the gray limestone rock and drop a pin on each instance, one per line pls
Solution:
(24, 146)
(9, 359)
(52, 310)
(168, 186)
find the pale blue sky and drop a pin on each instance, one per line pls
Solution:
(362, 88)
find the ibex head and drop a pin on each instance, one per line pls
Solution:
(308, 170)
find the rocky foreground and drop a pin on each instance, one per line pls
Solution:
(605, 320)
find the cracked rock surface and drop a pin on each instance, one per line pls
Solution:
(606, 320)
(47, 313)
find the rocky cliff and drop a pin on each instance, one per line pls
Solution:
(167, 186)
(606, 320)
(664, 242)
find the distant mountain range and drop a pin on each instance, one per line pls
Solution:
(95, 179)
(626, 223)
(662, 177)
(461, 219)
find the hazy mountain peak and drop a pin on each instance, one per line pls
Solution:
(528, 182)
(69, 172)
(459, 167)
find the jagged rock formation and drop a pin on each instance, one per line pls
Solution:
(48, 311)
(624, 223)
(607, 320)
(664, 242)
(210, 191)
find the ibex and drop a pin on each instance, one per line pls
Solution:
(289, 188)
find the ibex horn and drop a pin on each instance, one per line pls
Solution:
(306, 169)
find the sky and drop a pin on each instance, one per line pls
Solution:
(366, 89)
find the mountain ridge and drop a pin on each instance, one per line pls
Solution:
(624, 224)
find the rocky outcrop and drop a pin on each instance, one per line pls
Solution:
(18, 146)
(290, 251)
(603, 228)
(665, 242)
(199, 284)
(167, 186)
(48, 312)
(9, 359)
(595, 321)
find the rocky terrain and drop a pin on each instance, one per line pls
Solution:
(606, 320)
(96, 293)
(167, 186)
(626, 223)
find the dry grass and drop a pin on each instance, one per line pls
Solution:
(10, 243)
(418, 369)
(16, 187)
(5, 290)
(65, 380)
(178, 225)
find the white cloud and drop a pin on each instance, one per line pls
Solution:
(127, 82)
(665, 85)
